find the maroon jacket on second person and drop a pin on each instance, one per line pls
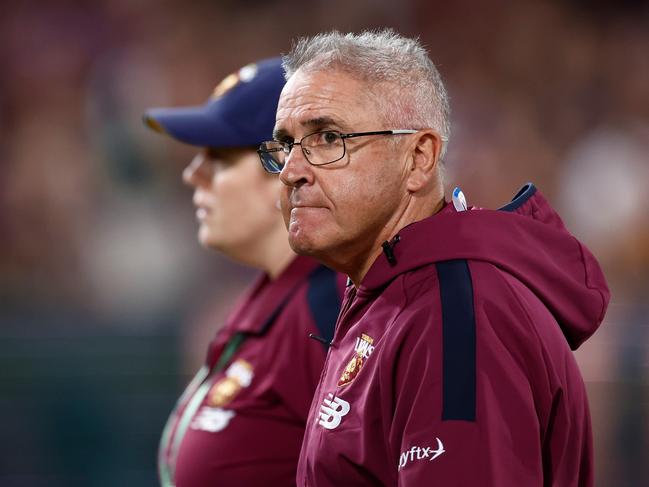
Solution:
(453, 365)
(248, 428)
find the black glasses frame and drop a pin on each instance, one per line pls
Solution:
(286, 147)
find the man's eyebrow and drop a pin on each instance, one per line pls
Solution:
(320, 122)
(312, 124)
(280, 134)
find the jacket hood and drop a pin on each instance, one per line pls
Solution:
(526, 239)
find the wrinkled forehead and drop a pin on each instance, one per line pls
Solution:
(323, 99)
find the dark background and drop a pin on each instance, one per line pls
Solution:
(107, 301)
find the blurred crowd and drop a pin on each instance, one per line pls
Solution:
(94, 218)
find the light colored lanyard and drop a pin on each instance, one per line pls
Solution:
(193, 397)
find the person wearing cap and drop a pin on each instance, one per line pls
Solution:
(241, 420)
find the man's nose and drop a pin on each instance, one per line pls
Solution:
(296, 170)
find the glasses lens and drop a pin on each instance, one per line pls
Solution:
(272, 156)
(323, 147)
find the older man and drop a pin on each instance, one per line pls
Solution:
(451, 363)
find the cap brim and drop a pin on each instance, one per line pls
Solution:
(191, 125)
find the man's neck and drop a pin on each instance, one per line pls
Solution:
(358, 270)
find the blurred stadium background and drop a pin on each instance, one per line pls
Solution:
(107, 299)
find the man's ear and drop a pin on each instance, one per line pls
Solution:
(424, 160)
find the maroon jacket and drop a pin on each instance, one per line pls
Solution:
(453, 367)
(247, 428)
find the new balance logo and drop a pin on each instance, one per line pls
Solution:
(332, 411)
(420, 453)
(211, 419)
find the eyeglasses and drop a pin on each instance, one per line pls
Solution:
(319, 148)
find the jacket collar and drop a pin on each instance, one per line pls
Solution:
(265, 299)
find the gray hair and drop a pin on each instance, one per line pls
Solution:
(417, 97)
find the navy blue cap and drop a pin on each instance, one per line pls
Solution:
(240, 112)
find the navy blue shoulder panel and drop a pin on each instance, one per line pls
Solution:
(459, 341)
(324, 301)
(525, 193)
